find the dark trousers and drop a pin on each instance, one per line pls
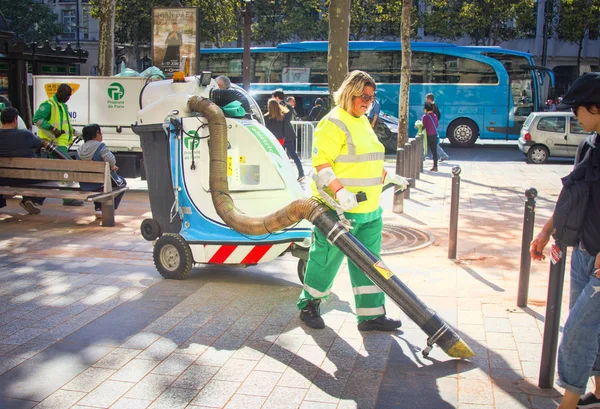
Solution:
(290, 147)
(21, 182)
(99, 187)
(432, 141)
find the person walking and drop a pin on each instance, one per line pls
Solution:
(349, 158)
(318, 111)
(289, 135)
(440, 152)
(430, 123)
(274, 119)
(578, 354)
(54, 124)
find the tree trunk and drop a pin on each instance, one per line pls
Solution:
(106, 46)
(579, 50)
(337, 55)
(404, 73)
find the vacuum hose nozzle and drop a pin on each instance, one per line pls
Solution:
(51, 147)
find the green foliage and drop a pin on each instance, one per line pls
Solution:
(378, 20)
(577, 18)
(30, 20)
(277, 21)
(486, 22)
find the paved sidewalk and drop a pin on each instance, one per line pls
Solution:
(87, 322)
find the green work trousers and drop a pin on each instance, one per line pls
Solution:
(65, 150)
(324, 261)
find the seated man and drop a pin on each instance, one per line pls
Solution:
(19, 143)
(94, 149)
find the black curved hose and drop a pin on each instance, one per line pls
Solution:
(222, 97)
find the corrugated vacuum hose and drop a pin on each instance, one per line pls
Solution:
(437, 330)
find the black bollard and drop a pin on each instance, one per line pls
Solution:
(418, 157)
(528, 223)
(453, 232)
(406, 173)
(552, 318)
(398, 206)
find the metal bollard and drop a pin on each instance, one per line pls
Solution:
(398, 206)
(528, 223)
(413, 163)
(422, 153)
(453, 232)
(418, 157)
(406, 172)
(552, 320)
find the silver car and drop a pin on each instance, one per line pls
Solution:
(546, 134)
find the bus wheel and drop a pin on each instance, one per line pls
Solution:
(462, 133)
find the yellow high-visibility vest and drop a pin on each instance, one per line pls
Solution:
(59, 118)
(351, 147)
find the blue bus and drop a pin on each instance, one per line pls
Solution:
(482, 92)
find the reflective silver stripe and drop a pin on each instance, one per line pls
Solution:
(361, 181)
(365, 157)
(315, 293)
(366, 289)
(367, 312)
(344, 128)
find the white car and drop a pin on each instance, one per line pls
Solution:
(546, 134)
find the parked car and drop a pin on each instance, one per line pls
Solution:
(546, 134)
(386, 127)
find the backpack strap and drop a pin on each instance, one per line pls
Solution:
(97, 157)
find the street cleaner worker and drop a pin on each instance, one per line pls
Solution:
(576, 222)
(348, 158)
(52, 120)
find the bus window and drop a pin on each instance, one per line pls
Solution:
(383, 66)
(268, 66)
(448, 69)
(224, 64)
(316, 62)
(521, 79)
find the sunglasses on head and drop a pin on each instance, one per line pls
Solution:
(368, 98)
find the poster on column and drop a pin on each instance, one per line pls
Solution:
(174, 38)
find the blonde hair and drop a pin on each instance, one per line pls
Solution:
(275, 110)
(353, 86)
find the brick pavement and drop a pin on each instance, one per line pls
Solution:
(87, 322)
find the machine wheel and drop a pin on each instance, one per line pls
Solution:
(301, 269)
(462, 133)
(150, 229)
(537, 154)
(172, 256)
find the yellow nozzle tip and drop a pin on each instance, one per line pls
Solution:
(460, 350)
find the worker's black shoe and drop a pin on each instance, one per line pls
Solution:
(381, 323)
(311, 315)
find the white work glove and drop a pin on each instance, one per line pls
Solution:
(347, 199)
(397, 180)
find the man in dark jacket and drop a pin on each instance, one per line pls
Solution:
(578, 357)
(18, 143)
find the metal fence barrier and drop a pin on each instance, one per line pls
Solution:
(305, 131)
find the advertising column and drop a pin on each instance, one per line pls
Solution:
(174, 39)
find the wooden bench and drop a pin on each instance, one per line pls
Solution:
(61, 170)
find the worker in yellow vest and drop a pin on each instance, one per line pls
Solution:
(349, 159)
(53, 123)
